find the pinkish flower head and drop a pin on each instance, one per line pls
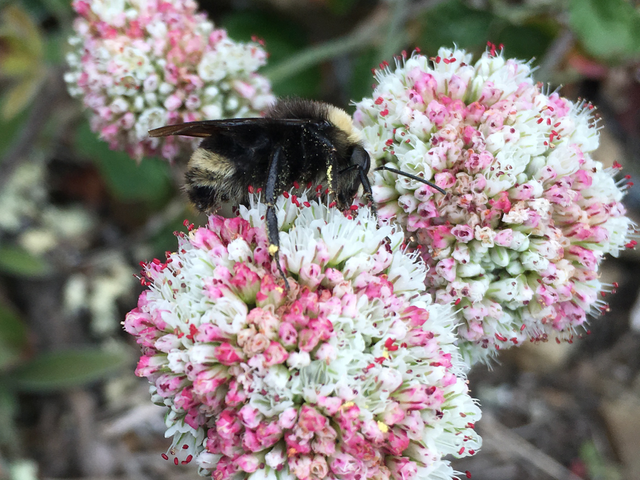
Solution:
(138, 66)
(318, 381)
(516, 164)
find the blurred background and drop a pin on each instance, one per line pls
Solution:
(77, 218)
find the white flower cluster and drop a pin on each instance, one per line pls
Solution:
(139, 65)
(352, 373)
(528, 214)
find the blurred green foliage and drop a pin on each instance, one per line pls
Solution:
(15, 260)
(67, 368)
(13, 337)
(10, 128)
(455, 23)
(282, 39)
(149, 181)
(597, 465)
(608, 29)
(22, 60)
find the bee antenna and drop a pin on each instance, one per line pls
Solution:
(422, 180)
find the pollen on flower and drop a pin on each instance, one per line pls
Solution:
(529, 214)
(257, 378)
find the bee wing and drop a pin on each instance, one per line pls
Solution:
(208, 128)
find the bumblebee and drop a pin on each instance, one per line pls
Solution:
(296, 140)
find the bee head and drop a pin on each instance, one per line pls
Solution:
(360, 157)
(350, 181)
(203, 197)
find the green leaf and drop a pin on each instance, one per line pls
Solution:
(597, 465)
(149, 181)
(61, 9)
(17, 24)
(8, 411)
(608, 29)
(282, 39)
(362, 78)
(13, 337)
(454, 23)
(341, 7)
(527, 41)
(67, 368)
(55, 48)
(19, 262)
(16, 64)
(164, 240)
(21, 94)
(10, 129)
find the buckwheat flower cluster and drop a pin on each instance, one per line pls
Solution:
(138, 65)
(528, 216)
(350, 374)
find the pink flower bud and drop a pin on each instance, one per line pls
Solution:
(318, 468)
(463, 233)
(236, 395)
(173, 102)
(248, 462)
(392, 414)
(245, 280)
(256, 344)
(228, 424)
(582, 180)
(347, 467)
(414, 425)
(288, 334)
(397, 441)
(250, 441)
(296, 315)
(136, 321)
(584, 256)
(287, 419)
(270, 292)
(310, 419)
(418, 338)
(447, 269)
(225, 469)
(227, 354)
(401, 468)
(308, 340)
(300, 466)
(326, 352)
(311, 275)
(268, 434)
(324, 441)
(275, 354)
(296, 445)
(330, 405)
(207, 381)
(250, 416)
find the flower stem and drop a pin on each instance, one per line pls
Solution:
(396, 36)
(359, 38)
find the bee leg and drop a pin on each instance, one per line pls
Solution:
(366, 188)
(273, 233)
